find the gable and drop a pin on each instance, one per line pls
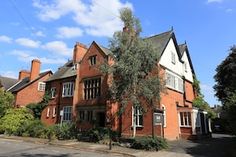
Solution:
(167, 55)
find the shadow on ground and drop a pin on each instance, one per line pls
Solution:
(217, 146)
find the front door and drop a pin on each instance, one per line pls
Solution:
(203, 123)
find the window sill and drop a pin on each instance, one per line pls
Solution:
(183, 126)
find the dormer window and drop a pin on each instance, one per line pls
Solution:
(92, 60)
(173, 57)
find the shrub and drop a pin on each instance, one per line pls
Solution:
(149, 143)
(34, 128)
(14, 119)
(98, 134)
(65, 131)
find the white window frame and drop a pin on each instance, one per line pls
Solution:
(93, 60)
(188, 116)
(173, 58)
(48, 112)
(54, 111)
(68, 89)
(53, 92)
(136, 116)
(41, 86)
(164, 115)
(67, 114)
(174, 81)
(185, 67)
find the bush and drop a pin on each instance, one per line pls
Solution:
(149, 143)
(65, 131)
(34, 129)
(14, 120)
(98, 134)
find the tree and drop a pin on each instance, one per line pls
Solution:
(135, 75)
(14, 119)
(225, 77)
(199, 101)
(6, 101)
(226, 86)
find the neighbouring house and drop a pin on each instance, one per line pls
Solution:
(7, 82)
(87, 88)
(30, 87)
(62, 89)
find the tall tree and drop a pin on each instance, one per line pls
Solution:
(226, 85)
(135, 77)
(225, 77)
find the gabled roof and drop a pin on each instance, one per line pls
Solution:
(184, 48)
(160, 41)
(7, 82)
(67, 70)
(26, 82)
(105, 50)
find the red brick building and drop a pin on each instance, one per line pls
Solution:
(89, 106)
(30, 87)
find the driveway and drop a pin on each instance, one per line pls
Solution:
(219, 145)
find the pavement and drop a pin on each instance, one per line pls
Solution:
(181, 148)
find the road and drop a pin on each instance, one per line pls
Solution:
(219, 145)
(16, 148)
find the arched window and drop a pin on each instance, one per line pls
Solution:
(164, 115)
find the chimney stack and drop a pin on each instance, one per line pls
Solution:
(35, 69)
(79, 51)
(23, 74)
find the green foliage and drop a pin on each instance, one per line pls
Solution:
(196, 85)
(37, 108)
(134, 60)
(225, 77)
(149, 143)
(14, 119)
(98, 134)
(34, 128)
(200, 103)
(6, 101)
(230, 108)
(65, 131)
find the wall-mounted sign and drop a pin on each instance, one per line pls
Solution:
(158, 118)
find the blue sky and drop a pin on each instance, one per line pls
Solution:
(48, 30)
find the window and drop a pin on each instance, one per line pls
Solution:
(54, 112)
(48, 112)
(67, 113)
(92, 88)
(164, 115)
(92, 60)
(53, 92)
(173, 57)
(137, 116)
(173, 81)
(41, 86)
(185, 119)
(185, 67)
(75, 66)
(81, 115)
(89, 116)
(68, 89)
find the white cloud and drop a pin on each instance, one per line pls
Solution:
(207, 88)
(229, 10)
(69, 32)
(215, 1)
(10, 74)
(28, 42)
(4, 38)
(27, 56)
(99, 18)
(58, 47)
(39, 34)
